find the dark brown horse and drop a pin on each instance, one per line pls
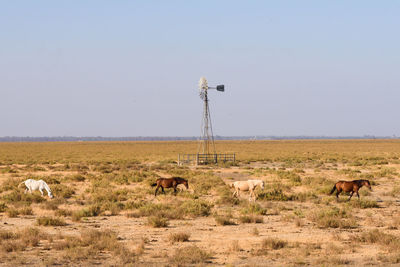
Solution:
(168, 183)
(352, 187)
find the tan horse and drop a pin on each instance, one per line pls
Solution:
(249, 185)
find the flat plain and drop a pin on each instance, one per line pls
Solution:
(105, 212)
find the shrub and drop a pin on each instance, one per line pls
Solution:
(178, 237)
(273, 243)
(255, 231)
(333, 218)
(4, 235)
(113, 207)
(91, 242)
(91, 211)
(189, 255)
(25, 211)
(170, 211)
(8, 170)
(157, 221)
(62, 213)
(234, 246)
(364, 204)
(389, 241)
(76, 177)
(275, 194)
(196, 208)
(50, 205)
(291, 176)
(20, 240)
(10, 184)
(133, 215)
(50, 221)
(108, 195)
(16, 196)
(251, 219)
(62, 191)
(254, 208)
(227, 198)
(224, 220)
(3, 207)
(12, 212)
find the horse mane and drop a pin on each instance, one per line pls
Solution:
(179, 179)
(46, 186)
(361, 181)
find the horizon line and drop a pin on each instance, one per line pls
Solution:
(184, 138)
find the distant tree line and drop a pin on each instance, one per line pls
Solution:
(175, 138)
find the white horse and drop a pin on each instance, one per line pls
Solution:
(249, 185)
(32, 185)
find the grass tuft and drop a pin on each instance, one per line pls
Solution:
(157, 221)
(50, 221)
(178, 237)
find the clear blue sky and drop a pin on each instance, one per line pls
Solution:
(130, 68)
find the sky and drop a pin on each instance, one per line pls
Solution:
(131, 68)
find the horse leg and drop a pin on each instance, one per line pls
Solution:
(155, 193)
(352, 192)
(252, 194)
(162, 188)
(358, 195)
(41, 190)
(338, 193)
(174, 185)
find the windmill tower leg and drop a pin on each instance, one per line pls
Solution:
(207, 145)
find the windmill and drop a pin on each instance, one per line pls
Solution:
(206, 152)
(206, 145)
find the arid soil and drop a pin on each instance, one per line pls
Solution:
(293, 222)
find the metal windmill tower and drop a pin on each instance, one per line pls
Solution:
(206, 145)
(206, 153)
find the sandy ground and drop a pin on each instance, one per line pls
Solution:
(237, 244)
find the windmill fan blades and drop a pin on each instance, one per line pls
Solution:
(203, 84)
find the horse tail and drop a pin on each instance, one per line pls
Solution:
(21, 184)
(153, 184)
(333, 190)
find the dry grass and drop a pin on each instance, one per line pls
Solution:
(178, 237)
(273, 243)
(94, 181)
(20, 240)
(251, 219)
(91, 243)
(390, 242)
(224, 220)
(269, 244)
(157, 221)
(189, 255)
(50, 221)
(333, 218)
(234, 246)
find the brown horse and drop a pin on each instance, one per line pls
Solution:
(348, 186)
(168, 183)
